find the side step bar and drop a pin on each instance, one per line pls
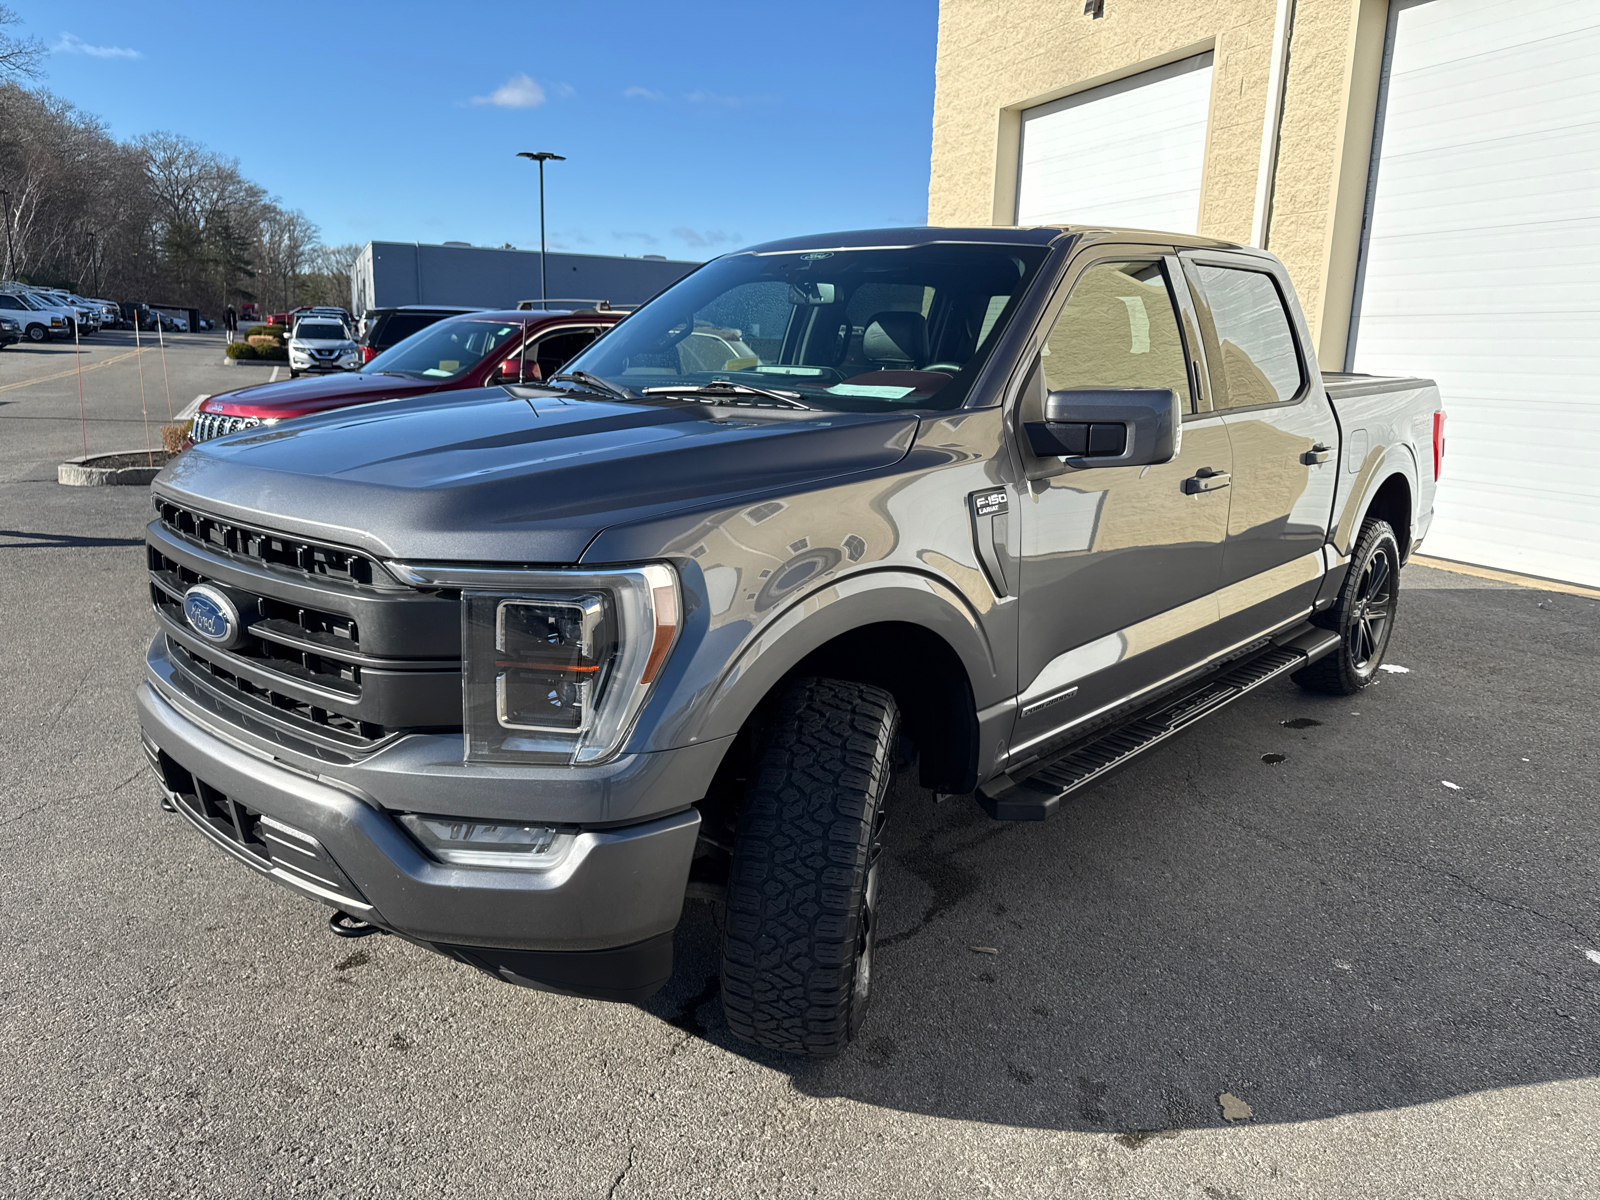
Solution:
(1034, 793)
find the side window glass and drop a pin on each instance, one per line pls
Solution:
(1250, 345)
(1118, 329)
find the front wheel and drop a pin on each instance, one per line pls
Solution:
(293, 374)
(1363, 615)
(37, 333)
(803, 887)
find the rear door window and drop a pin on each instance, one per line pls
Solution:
(1249, 340)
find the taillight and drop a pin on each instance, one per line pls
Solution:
(1438, 444)
(368, 354)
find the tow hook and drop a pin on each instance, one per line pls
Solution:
(342, 924)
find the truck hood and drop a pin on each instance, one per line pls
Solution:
(483, 476)
(317, 393)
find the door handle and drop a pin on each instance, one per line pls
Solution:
(1319, 453)
(1205, 480)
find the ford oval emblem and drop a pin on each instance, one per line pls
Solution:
(211, 614)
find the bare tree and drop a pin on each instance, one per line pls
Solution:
(162, 218)
(19, 57)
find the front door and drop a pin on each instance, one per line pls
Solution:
(1119, 564)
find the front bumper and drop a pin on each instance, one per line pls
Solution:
(598, 924)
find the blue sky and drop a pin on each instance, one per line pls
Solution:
(689, 128)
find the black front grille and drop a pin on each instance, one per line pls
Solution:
(294, 641)
(323, 662)
(294, 554)
(311, 718)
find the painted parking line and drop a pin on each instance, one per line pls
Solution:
(73, 370)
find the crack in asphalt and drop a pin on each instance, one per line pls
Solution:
(44, 804)
(623, 1174)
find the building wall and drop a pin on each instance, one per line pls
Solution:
(999, 57)
(393, 273)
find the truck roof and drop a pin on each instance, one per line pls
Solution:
(1013, 235)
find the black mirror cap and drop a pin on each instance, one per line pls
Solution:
(1109, 427)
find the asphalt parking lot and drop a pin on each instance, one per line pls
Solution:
(1371, 969)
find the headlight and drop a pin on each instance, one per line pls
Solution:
(489, 843)
(556, 665)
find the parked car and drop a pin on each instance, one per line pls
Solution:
(508, 676)
(451, 355)
(39, 321)
(10, 332)
(86, 313)
(321, 343)
(385, 327)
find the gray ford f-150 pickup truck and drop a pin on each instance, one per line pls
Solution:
(509, 672)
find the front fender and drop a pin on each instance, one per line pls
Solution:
(726, 686)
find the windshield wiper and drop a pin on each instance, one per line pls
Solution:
(594, 383)
(722, 391)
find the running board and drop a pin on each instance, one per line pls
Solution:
(1034, 793)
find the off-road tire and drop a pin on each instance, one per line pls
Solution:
(1363, 615)
(802, 890)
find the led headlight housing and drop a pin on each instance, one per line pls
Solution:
(557, 664)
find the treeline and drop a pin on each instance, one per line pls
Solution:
(160, 219)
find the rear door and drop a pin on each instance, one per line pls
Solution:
(1119, 565)
(1265, 383)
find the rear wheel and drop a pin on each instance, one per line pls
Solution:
(1363, 615)
(803, 888)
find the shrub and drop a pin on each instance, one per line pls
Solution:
(172, 437)
(240, 350)
(273, 353)
(263, 343)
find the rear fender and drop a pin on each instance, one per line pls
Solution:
(1380, 465)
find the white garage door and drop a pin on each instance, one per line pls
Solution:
(1482, 269)
(1128, 153)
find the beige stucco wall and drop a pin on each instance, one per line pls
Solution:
(998, 57)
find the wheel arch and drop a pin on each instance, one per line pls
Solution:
(911, 634)
(1386, 486)
(1393, 502)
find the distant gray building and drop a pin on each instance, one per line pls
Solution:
(393, 273)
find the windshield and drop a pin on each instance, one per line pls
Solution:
(306, 331)
(444, 350)
(846, 330)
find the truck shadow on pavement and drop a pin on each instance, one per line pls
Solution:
(1289, 906)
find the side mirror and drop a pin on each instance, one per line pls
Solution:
(508, 371)
(1109, 427)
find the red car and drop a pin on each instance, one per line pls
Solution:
(474, 350)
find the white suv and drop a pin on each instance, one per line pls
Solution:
(322, 343)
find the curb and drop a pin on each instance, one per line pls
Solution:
(104, 470)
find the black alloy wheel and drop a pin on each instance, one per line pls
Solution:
(1374, 609)
(1363, 615)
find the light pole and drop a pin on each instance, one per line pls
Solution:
(541, 157)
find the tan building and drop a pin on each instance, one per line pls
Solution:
(1429, 171)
